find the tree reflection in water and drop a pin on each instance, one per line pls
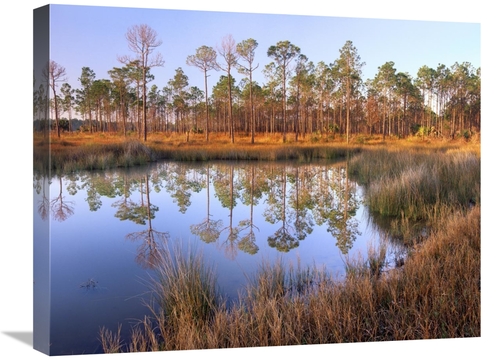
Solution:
(143, 214)
(297, 198)
(225, 192)
(283, 240)
(58, 207)
(208, 230)
(249, 198)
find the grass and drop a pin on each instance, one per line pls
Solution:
(435, 295)
(68, 156)
(418, 185)
(82, 151)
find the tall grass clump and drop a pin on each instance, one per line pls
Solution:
(417, 185)
(111, 341)
(273, 309)
(134, 152)
(95, 156)
(187, 296)
(185, 302)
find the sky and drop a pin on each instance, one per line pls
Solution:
(94, 37)
(16, 31)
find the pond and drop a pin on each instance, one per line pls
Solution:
(105, 227)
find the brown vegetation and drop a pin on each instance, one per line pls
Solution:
(436, 294)
(84, 151)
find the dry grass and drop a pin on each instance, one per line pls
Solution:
(417, 184)
(436, 294)
(83, 151)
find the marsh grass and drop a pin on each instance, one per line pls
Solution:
(83, 151)
(102, 151)
(111, 341)
(417, 184)
(186, 288)
(95, 156)
(436, 294)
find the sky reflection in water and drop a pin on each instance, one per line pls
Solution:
(106, 226)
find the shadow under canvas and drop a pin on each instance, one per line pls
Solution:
(25, 337)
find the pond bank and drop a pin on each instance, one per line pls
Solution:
(435, 295)
(88, 152)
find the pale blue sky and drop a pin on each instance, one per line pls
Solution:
(94, 36)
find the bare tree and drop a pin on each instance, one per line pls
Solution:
(205, 60)
(143, 40)
(55, 73)
(227, 49)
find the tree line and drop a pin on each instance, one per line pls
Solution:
(298, 98)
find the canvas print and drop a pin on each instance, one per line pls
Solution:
(213, 180)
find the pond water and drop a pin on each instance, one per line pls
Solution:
(106, 225)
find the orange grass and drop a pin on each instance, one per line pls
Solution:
(84, 151)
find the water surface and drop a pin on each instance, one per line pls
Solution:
(105, 227)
